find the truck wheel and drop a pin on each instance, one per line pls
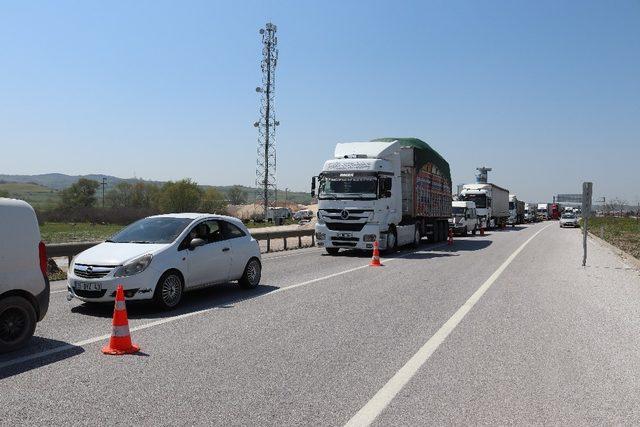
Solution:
(392, 241)
(17, 323)
(466, 231)
(416, 236)
(332, 251)
(475, 229)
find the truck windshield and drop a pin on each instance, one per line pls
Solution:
(457, 211)
(348, 188)
(479, 199)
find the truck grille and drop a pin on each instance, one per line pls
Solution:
(91, 271)
(342, 226)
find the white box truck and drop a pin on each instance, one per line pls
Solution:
(492, 202)
(390, 190)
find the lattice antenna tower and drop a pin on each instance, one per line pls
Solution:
(266, 164)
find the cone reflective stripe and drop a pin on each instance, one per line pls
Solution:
(375, 259)
(120, 341)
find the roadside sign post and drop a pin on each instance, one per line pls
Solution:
(587, 191)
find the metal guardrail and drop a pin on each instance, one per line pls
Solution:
(69, 250)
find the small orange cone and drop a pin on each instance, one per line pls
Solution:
(375, 260)
(450, 241)
(120, 341)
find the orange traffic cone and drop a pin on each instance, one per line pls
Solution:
(450, 241)
(375, 260)
(482, 231)
(120, 341)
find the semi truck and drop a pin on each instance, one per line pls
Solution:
(492, 201)
(390, 190)
(554, 211)
(530, 212)
(516, 211)
(543, 211)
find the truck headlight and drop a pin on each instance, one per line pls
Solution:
(320, 236)
(134, 266)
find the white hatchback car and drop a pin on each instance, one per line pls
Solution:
(162, 256)
(568, 220)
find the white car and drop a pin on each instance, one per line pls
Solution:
(160, 257)
(24, 286)
(568, 220)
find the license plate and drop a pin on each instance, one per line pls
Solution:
(345, 234)
(84, 286)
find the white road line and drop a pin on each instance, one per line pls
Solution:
(384, 396)
(88, 341)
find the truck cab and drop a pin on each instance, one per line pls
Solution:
(464, 218)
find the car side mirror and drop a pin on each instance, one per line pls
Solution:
(195, 243)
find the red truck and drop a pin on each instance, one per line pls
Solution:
(554, 211)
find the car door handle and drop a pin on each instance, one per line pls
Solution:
(225, 249)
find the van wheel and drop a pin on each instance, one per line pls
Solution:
(332, 251)
(168, 293)
(17, 323)
(252, 274)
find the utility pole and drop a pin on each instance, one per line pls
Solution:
(587, 191)
(104, 184)
(266, 169)
(286, 191)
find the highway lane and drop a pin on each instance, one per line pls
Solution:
(312, 354)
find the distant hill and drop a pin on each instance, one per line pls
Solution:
(42, 190)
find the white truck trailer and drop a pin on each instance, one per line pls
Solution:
(390, 190)
(492, 202)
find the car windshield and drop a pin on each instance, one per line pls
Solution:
(568, 216)
(457, 211)
(348, 187)
(151, 230)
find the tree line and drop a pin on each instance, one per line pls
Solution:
(128, 201)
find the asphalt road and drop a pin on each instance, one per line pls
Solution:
(505, 328)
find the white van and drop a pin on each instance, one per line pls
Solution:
(464, 217)
(24, 286)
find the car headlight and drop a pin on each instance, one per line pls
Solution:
(134, 266)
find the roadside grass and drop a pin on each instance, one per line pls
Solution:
(623, 233)
(62, 232)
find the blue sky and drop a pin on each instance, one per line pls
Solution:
(545, 92)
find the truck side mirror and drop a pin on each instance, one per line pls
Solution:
(313, 186)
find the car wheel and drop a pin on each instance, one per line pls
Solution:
(332, 251)
(168, 293)
(17, 323)
(252, 274)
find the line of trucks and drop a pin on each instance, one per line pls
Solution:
(398, 190)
